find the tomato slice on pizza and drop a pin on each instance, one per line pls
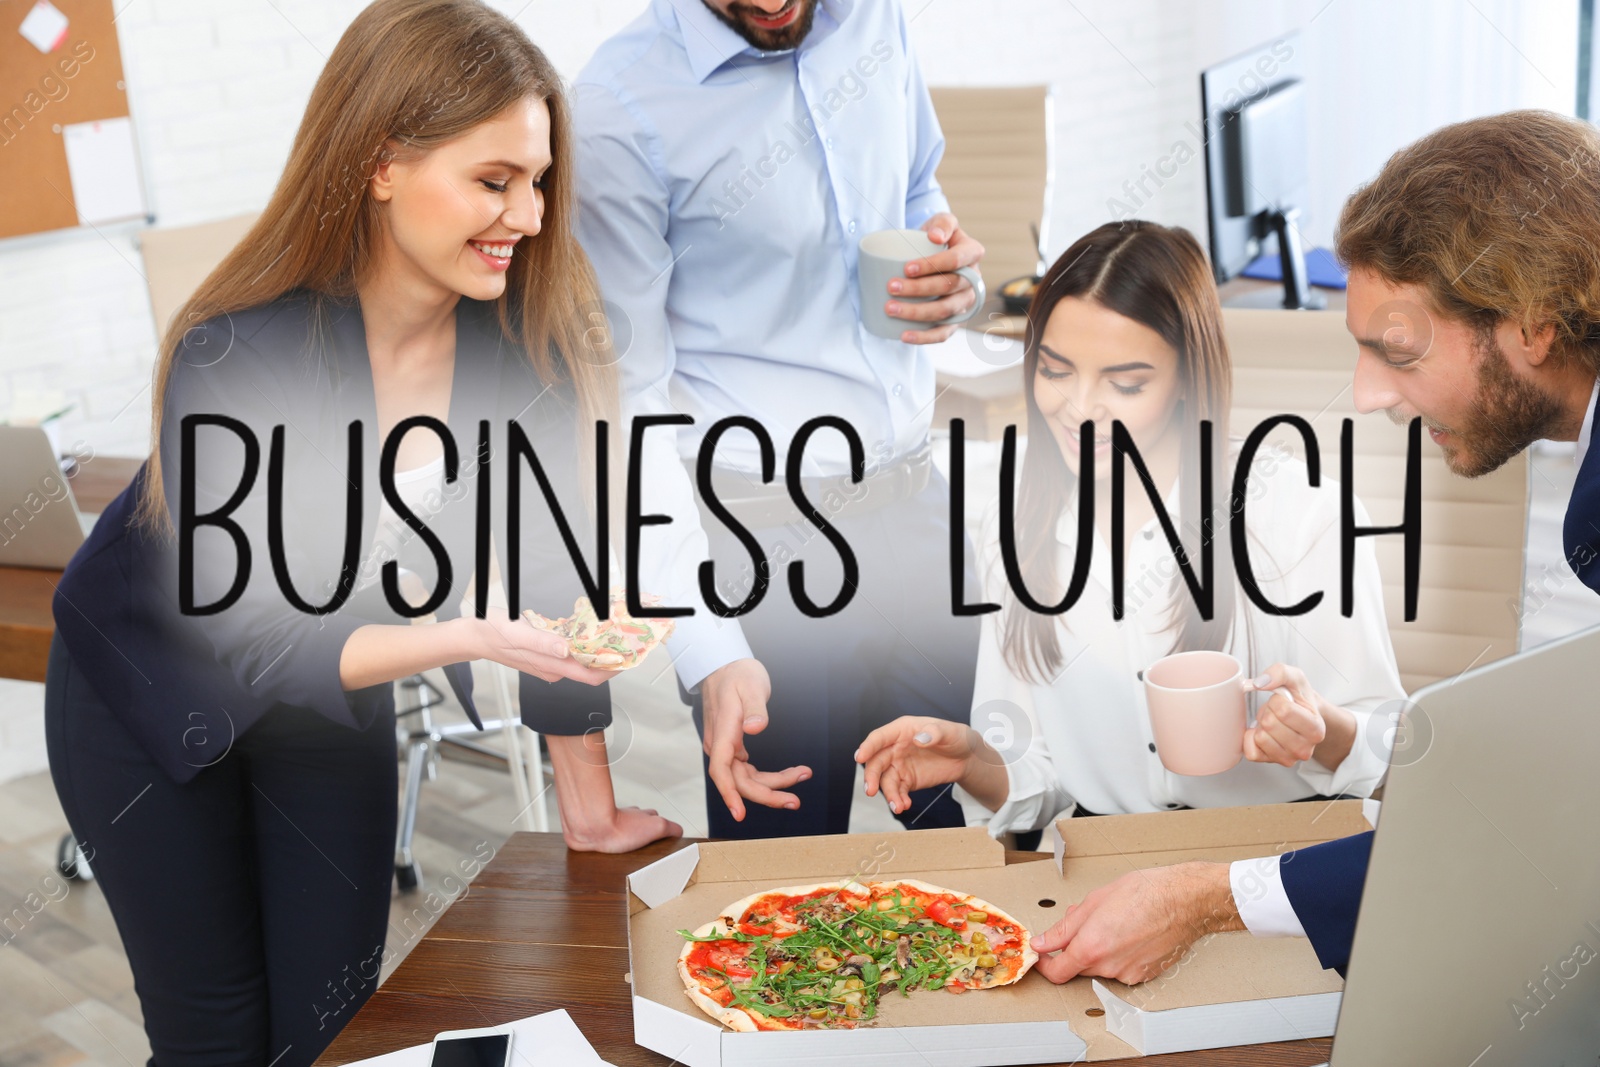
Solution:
(823, 956)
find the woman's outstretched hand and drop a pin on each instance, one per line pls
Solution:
(516, 644)
(915, 752)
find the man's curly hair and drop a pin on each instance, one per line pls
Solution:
(1495, 218)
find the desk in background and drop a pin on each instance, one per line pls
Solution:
(26, 624)
(544, 928)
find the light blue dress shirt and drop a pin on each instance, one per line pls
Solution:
(723, 192)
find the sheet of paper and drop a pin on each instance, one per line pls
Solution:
(104, 169)
(45, 27)
(538, 1040)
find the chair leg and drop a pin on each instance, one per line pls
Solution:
(511, 731)
(406, 870)
(536, 783)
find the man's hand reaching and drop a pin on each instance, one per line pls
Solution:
(1138, 926)
(734, 698)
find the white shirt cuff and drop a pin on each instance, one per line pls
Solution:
(1259, 895)
(701, 643)
(1030, 791)
(971, 807)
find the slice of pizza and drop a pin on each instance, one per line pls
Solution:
(822, 956)
(615, 643)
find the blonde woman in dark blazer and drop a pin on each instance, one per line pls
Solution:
(227, 754)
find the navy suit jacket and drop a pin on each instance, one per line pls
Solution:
(1324, 881)
(1580, 530)
(186, 685)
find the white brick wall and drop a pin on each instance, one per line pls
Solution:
(217, 88)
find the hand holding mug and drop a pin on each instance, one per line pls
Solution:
(1295, 723)
(937, 276)
(925, 278)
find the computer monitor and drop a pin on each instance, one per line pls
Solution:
(1253, 108)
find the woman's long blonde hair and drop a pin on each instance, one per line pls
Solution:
(406, 77)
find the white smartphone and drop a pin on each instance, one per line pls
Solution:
(487, 1047)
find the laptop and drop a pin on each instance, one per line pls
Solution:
(40, 524)
(1478, 939)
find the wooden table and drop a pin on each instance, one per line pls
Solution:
(544, 928)
(26, 624)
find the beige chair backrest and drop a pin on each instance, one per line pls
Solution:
(178, 258)
(1474, 532)
(996, 170)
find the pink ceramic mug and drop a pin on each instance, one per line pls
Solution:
(1197, 711)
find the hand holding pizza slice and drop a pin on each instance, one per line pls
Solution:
(614, 643)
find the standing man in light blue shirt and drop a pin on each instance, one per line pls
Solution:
(731, 155)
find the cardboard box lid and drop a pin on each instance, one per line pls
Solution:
(1193, 834)
(1220, 968)
(776, 862)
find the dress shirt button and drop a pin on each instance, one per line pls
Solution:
(1149, 535)
(828, 142)
(852, 226)
(1152, 746)
(898, 389)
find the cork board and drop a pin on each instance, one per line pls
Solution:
(80, 81)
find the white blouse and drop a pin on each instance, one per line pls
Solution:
(422, 489)
(1086, 739)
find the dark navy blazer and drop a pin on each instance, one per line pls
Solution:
(185, 685)
(1324, 882)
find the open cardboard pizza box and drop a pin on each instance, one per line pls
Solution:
(1235, 987)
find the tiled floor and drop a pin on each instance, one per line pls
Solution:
(66, 995)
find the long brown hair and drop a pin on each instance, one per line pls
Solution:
(406, 77)
(1158, 277)
(1496, 218)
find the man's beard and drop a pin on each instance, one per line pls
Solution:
(1507, 414)
(789, 36)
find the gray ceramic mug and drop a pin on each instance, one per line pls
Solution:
(884, 255)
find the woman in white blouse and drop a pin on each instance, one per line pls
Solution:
(1126, 326)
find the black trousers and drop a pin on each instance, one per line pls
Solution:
(895, 649)
(252, 901)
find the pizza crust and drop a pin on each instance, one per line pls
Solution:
(733, 911)
(732, 1018)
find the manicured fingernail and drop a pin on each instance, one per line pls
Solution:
(923, 737)
(892, 308)
(1261, 680)
(913, 268)
(752, 722)
(805, 775)
(894, 286)
(791, 805)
